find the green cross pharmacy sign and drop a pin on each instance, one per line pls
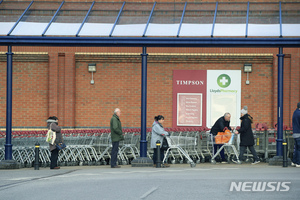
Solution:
(224, 80)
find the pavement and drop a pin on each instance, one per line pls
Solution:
(180, 181)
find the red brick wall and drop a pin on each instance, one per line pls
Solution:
(30, 90)
(60, 85)
(117, 84)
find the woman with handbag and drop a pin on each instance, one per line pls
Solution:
(52, 123)
(158, 133)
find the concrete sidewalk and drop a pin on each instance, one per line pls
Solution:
(180, 181)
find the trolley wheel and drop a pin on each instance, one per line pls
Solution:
(213, 161)
(173, 161)
(124, 162)
(198, 161)
(202, 160)
(181, 161)
(193, 165)
(239, 162)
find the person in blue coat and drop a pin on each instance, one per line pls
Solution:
(296, 136)
(158, 133)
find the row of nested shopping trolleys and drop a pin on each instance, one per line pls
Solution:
(93, 146)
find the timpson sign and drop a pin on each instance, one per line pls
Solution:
(200, 97)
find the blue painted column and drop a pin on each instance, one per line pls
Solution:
(143, 142)
(280, 104)
(8, 145)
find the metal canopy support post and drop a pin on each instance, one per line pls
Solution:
(62, 3)
(149, 19)
(247, 19)
(118, 17)
(183, 12)
(12, 29)
(8, 145)
(213, 26)
(87, 14)
(280, 103)
(143, 142)
(280, 19)
(143, 160)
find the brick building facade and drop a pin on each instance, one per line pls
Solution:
(55, 81)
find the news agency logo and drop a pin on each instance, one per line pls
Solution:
(259, 186)
(224, 80)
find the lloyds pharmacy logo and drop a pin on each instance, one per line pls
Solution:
(224, 80)
(259, 186)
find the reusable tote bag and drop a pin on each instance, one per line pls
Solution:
(51, 136)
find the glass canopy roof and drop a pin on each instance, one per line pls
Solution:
(136, 19)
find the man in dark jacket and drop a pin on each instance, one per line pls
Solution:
(52, 123)
(246, 136)
(220, 125)
(116, 137)
(296, 136)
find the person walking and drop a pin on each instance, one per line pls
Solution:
(296, 136)
(246, 136)
(220, 125)
(158, 133)
(52, 123)
(116, 137)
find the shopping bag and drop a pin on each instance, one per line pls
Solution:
(61, 146)
(51, 136)
(223, 137)
(165, 144)
(231, 139)
(226, 136)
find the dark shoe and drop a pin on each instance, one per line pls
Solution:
(55, 168)
(117, 166)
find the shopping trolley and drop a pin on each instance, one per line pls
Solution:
(229, 143)
(172, 145)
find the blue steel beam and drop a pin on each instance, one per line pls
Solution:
(117, 19)
(149, 19)
(15, 25)
(87, 14)
(9, 72)
(62, 3)
(247, 19)
(148, 41)
(143, 142)
(280, 104)
(1, 1)
(183, 12)
(280, 19)
(213, 26)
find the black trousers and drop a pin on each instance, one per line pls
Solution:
(54, 158)
(242, 151)
(155, 155)
(114, 154)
